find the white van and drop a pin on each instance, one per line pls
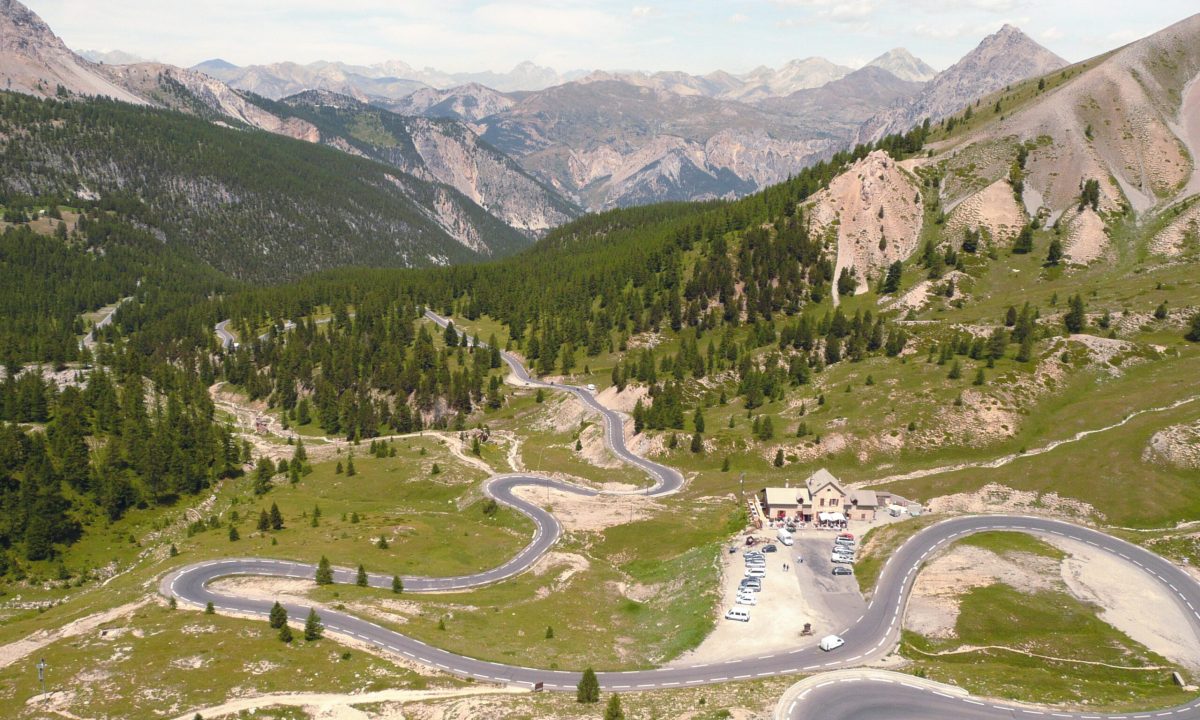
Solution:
(756, 572)
(831, 642)
(737, 614)
(784, 536)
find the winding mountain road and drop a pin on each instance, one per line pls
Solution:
(871, 637)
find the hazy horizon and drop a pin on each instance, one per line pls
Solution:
(470, 36)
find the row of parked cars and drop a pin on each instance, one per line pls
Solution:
(751, 584)
(842, 554)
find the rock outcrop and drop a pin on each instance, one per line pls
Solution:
(873, 212)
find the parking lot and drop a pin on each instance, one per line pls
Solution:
(806, 593)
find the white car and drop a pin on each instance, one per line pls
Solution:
(747, 598)
(756, 572)
(737, 614)
(842, 559)
(831, 642)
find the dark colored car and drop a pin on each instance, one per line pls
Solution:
(842, 570)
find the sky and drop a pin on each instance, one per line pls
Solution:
(696, 36)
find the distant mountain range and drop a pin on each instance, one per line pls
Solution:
(395, 80)
(533, 148)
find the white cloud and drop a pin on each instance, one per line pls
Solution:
(738, 18)
(641, 11)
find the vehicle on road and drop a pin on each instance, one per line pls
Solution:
(737, 614)
(784, 536)
(842, 570)
(831, 642)
(747, 598)
(769, 548)
(591, 387)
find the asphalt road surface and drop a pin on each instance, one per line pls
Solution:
(873, 635)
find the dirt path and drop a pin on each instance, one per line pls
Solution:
(1017, 651)
(338, 705)
(1006, 459)
(15, 651)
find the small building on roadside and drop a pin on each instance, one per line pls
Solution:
(821, 497)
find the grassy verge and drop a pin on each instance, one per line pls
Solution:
(632, 596)
(1012, 543)
(1050, 623)
(880, 543)
(160, 662)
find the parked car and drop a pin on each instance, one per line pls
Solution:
(751, 553)
(737, 614)
(747, 598)
(750, 584)
(755, 561)
(756, 572)
(847, 536)
(842, 570)
(830, 642)
(843, 542)
(769, 548)
(842, 559)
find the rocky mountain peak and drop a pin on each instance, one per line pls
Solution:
(1002, 58)
(904, 65)
(36, 61)
(22, 31)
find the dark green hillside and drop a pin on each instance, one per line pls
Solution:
(258, 206)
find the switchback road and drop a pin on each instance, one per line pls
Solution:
(871, 637)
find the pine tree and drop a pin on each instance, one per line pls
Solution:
(549, 633)
(276, 517)
(891, 283)
(955, 371)
(588, 690)
(361, 578)
(382, 544)
(324, 572)
(350, 471)
(1075, 319)
(1193, 334)
(1054, 253)
(313, 629)
(613, 710)
(1024, 242)
(264, 521)
(278, 616)
(233, 533)
(697, 443)
(397, 584)
(209, 609)
(698, 420)
(725, 464)
(285, 633)
(779, 458)
(1160, 312)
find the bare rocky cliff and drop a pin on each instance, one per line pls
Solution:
(35, 61)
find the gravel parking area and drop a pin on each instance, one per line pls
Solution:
(805, 593)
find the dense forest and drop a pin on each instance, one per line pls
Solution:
(252, 204)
